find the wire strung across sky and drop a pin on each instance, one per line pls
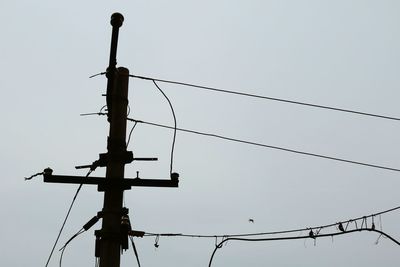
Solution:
(269, 146)
(218, 246)
(250, 142)
(363, 223)
(359, 224)
(267, 98)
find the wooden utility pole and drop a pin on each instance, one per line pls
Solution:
(117, 103)
(110, 248)
(113, 236)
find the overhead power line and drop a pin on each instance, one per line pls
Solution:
(358, 224)
(301, 237)
(270, 146)
(268, 98)
(289, 231)
(65, 221)
(135, 251)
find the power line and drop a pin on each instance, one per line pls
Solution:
(65, 220)
(130, 134)
(135, 251)
(268, 98)
(84, 228)
(314, 232)
(218, 246)
(271, 146)
(296, 230)
(66, 244)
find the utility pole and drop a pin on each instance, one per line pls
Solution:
(117, 103)
(113, 236)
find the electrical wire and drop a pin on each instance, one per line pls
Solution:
(267, 98)
(65, 219)
(130, 134)
(135, 251)
(84, 228)
(299, 237)
(260, 145)
(61, 256)
(65, 246)
(314, 232)
(174, 128)
(296, 230)
(270, 146)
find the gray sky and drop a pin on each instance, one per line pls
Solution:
(336, 53)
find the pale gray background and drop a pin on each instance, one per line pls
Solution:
(337, 53)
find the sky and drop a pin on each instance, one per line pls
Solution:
(342, 54)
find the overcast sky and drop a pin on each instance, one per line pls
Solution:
(337, 53)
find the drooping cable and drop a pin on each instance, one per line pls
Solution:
(135, 250)
(65, 246)
(65, 219)
(271, 146)
(174, 128)
(84, 228)
(130, 133)
(365, 223)
(289, 231)
(218, 246)
(267, 98)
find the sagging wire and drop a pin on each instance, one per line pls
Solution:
(65, 219)
(313, 232)
(65, 246)
(315, 229)
(84, 228)
(130, 134)
(218, 246)
(175, 125)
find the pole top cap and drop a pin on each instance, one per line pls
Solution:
(117, 19)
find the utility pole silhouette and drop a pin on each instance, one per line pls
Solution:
(113, 236)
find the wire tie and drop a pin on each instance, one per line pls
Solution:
(216, 242)
(364, 220)
(156, 245)
(373, 223)
(347, 225)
